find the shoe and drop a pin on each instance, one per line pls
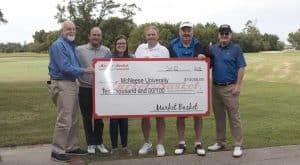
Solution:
(77, 152)
(126, 151)
(160, 150)
(102, 148)
(180, 149)
(60, 157)
(91, 149)
(114, 152)
(200, 151)
(237, 152)
(215, 147)
(145, 148)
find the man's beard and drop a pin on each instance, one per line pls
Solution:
(71, 38)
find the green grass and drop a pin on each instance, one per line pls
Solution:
(26, 116)
(269, 106)
(23, 54)
(23, 68)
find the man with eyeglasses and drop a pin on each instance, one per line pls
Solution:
(228, 67)
(187, 46)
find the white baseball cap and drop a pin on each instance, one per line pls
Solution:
(186, 24)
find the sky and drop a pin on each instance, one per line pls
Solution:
(271, 16)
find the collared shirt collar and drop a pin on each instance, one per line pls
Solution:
(225, 47)
(155, 47)
(90, 46)
(194, 41)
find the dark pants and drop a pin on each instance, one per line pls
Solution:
(93, 135)
(114, 126)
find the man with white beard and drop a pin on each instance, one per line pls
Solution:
(64, 68)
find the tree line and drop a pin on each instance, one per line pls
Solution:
(89, 13)
(250, 39)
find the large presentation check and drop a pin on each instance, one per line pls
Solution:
(151, 87)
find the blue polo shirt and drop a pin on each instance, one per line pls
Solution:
(226, 61)
(178, 50)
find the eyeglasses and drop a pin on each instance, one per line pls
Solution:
(224, 33)
(121, 43)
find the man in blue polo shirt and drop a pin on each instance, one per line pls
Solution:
(187, 46)
(228, 67)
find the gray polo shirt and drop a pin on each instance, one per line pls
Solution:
(86, 55)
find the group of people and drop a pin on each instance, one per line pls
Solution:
(68, 63)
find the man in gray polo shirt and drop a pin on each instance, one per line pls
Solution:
(87, 52)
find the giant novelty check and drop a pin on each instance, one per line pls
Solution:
(151, 87)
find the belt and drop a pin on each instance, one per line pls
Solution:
(224, 84)
(57, 79)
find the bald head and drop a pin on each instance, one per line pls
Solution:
(95, 36)
(69, 30)
(67, 23)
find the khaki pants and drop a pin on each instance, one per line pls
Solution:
(64, 95)
(225, 102)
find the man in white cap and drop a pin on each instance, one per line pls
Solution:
(187, 46)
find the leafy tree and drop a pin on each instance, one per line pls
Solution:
(136, 37)
(271, 42)
(89, 13)
(268, 42)
(52, 36)
(167, 33)
(251, 40)
(280, 45)
(11, 47)
(294, 39)
(254, 36)
(244, 41)
(42, 41)
(2, 20)
(207, 33)
(113, 27)
(40, 36)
